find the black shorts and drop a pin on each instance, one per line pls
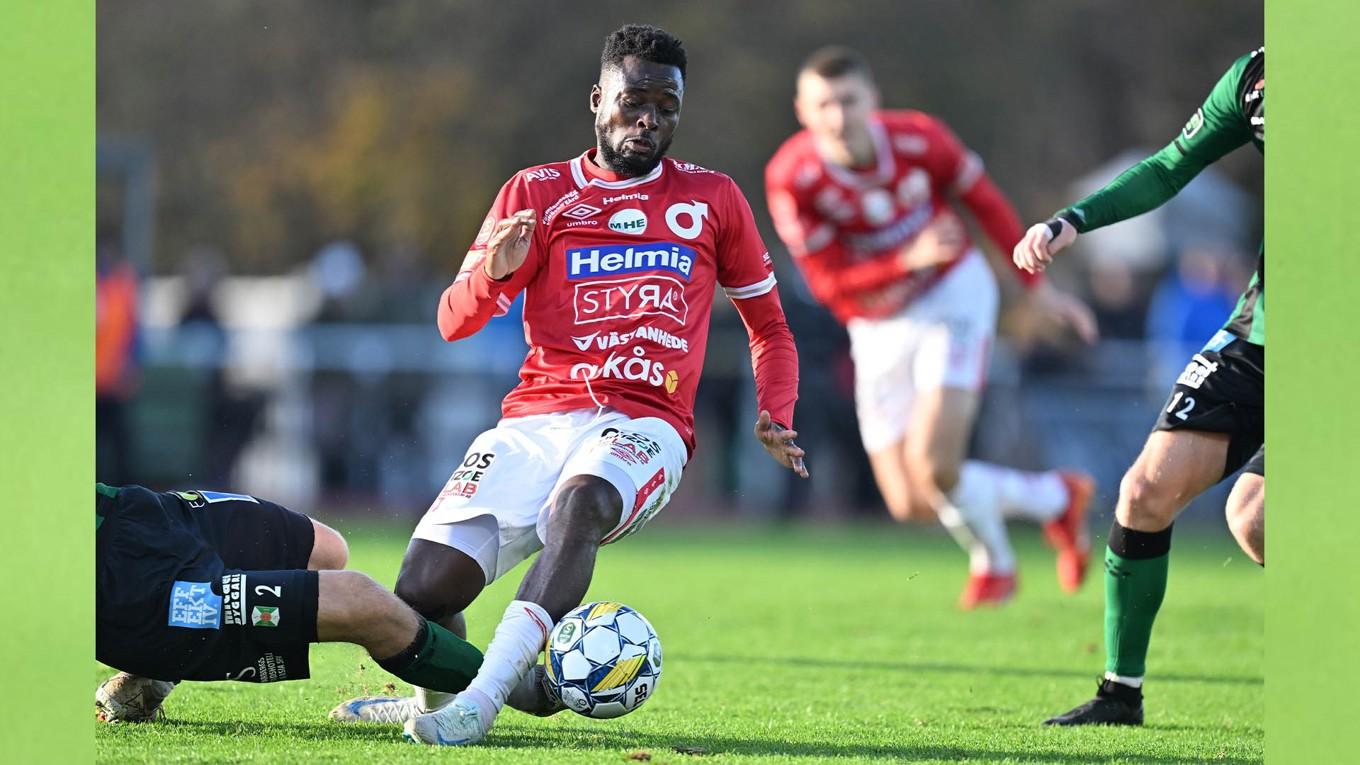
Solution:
(203, 586)
(1222, 390)
(1257, 463)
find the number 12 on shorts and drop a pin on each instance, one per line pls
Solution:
(1183, 414)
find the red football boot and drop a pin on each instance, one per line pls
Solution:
(1068, 533)
(987, 590)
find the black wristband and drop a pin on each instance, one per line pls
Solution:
(1054, 226)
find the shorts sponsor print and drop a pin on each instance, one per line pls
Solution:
(465, 480)
(1221, 390)
(234, 599)
(193, 605)
(642, 458)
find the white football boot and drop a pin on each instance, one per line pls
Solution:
(126, 697)
(531, 696)
(377, 709)
(458, 724)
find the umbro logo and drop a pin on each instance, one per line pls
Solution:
(582, 211)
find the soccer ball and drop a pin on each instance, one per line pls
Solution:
(603, 660)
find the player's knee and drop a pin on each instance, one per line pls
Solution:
(1246, 516)
(424, 596)
(587, 507)
(909, 507)
(1144, 503)
(931, 474)
(361, 593)
(438, 582)
(329, 549)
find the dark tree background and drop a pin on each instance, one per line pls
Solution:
(277, 127)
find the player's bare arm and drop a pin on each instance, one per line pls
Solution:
(778, 441)
(509, 244)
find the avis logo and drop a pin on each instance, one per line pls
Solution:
(639, 368)
(630, 298)
(542, 174)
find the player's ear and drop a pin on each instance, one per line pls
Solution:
(596, 96)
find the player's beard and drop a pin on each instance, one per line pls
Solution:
(628, 165)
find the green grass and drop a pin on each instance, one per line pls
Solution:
(801, 646)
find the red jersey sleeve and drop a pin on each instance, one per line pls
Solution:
(813, 242)
(747, 276)
(958, 173)
(473, 298)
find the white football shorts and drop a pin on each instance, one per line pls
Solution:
(495, 506)
(942, 339)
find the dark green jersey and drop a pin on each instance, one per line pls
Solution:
(1232, 115)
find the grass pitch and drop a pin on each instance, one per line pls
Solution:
(798, 646)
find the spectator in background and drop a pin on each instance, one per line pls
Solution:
(1119, 298)
(116, 372)
(1190, 302)
(231, 414)
(347, 461)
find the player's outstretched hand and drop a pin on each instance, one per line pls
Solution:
(509, 244)
(1069, 310)
(779, 443)
(1036, 250)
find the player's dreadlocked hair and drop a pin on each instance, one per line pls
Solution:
(646, 42)
(835, 61)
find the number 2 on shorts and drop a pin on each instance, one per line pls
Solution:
(1183, 414)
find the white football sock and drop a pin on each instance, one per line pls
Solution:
(975, 503)
(1132, 682)
(1024, 494)
(521, 635)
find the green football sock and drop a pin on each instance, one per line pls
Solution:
(1136, 565)
(437, 659)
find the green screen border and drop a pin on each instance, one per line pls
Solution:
(47, 128)
(1311, 418)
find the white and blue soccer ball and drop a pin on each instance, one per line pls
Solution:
(603, 660)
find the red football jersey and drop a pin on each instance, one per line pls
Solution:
(845, 227)
(618, 285)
